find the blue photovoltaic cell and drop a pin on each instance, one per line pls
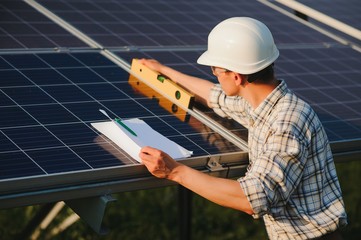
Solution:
(58, 160)
(67, 93)
(46, 123)
(6, 144)
(24, 137)
(72, 134)
(23, 27)
(28, 95)
(17, 164)
(13, 78)
(50, 114)
(15, 116)
(96, 156)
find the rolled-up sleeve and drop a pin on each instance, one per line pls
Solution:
(275, 174)
(255, 194)
(229, 106)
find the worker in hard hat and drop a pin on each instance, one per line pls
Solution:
(291, 180)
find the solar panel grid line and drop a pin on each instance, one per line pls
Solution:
(11, 36)
(350, 117)
(26, 28)
(188, 63)
(181, 5)
(128, 96)
(323, 85)
(46, 148)
(71, 113)
(105, 54)
(344, 12)
(83, 12)
(328, 70)
(28, 25)
(354, 32)
(46, 126)
(21, 107)
(154, 25)
(311, 25)
(242, 144)
(64, 24)
(97, 24)
(131, 25)
(42, 169)
(59, 182)
(195, 16)
(50, 131)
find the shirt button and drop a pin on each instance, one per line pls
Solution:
(251, 122)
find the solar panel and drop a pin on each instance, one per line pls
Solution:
(171, 23)
(344, 11)
(329, 80)
(45, 125)
(22, 27)
(338, 17)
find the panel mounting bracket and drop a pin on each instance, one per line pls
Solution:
(91, 210)
(213, 164)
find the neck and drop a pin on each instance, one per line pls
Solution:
(256, 93)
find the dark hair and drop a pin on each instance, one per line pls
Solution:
(265, 75)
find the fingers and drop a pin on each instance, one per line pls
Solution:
(149, 153)
(151, 63)
(155, 161)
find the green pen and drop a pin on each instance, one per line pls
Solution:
(119, 121)
(125, 126)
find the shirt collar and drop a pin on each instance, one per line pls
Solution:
(269, 102)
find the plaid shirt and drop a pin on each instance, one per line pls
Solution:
(291, 179)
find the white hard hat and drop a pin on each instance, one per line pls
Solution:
(240, 44)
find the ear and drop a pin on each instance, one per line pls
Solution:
(239, 79)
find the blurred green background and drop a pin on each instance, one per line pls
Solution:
(154, 214)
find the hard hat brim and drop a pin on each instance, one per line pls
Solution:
(208, 59)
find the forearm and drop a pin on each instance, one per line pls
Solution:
(198, 86)
(225, 192)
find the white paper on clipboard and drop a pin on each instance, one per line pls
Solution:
(146, 136)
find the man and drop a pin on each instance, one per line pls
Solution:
(291, 180)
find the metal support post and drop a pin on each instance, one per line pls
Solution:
(185, 212)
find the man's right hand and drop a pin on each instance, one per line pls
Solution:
(152, 64)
